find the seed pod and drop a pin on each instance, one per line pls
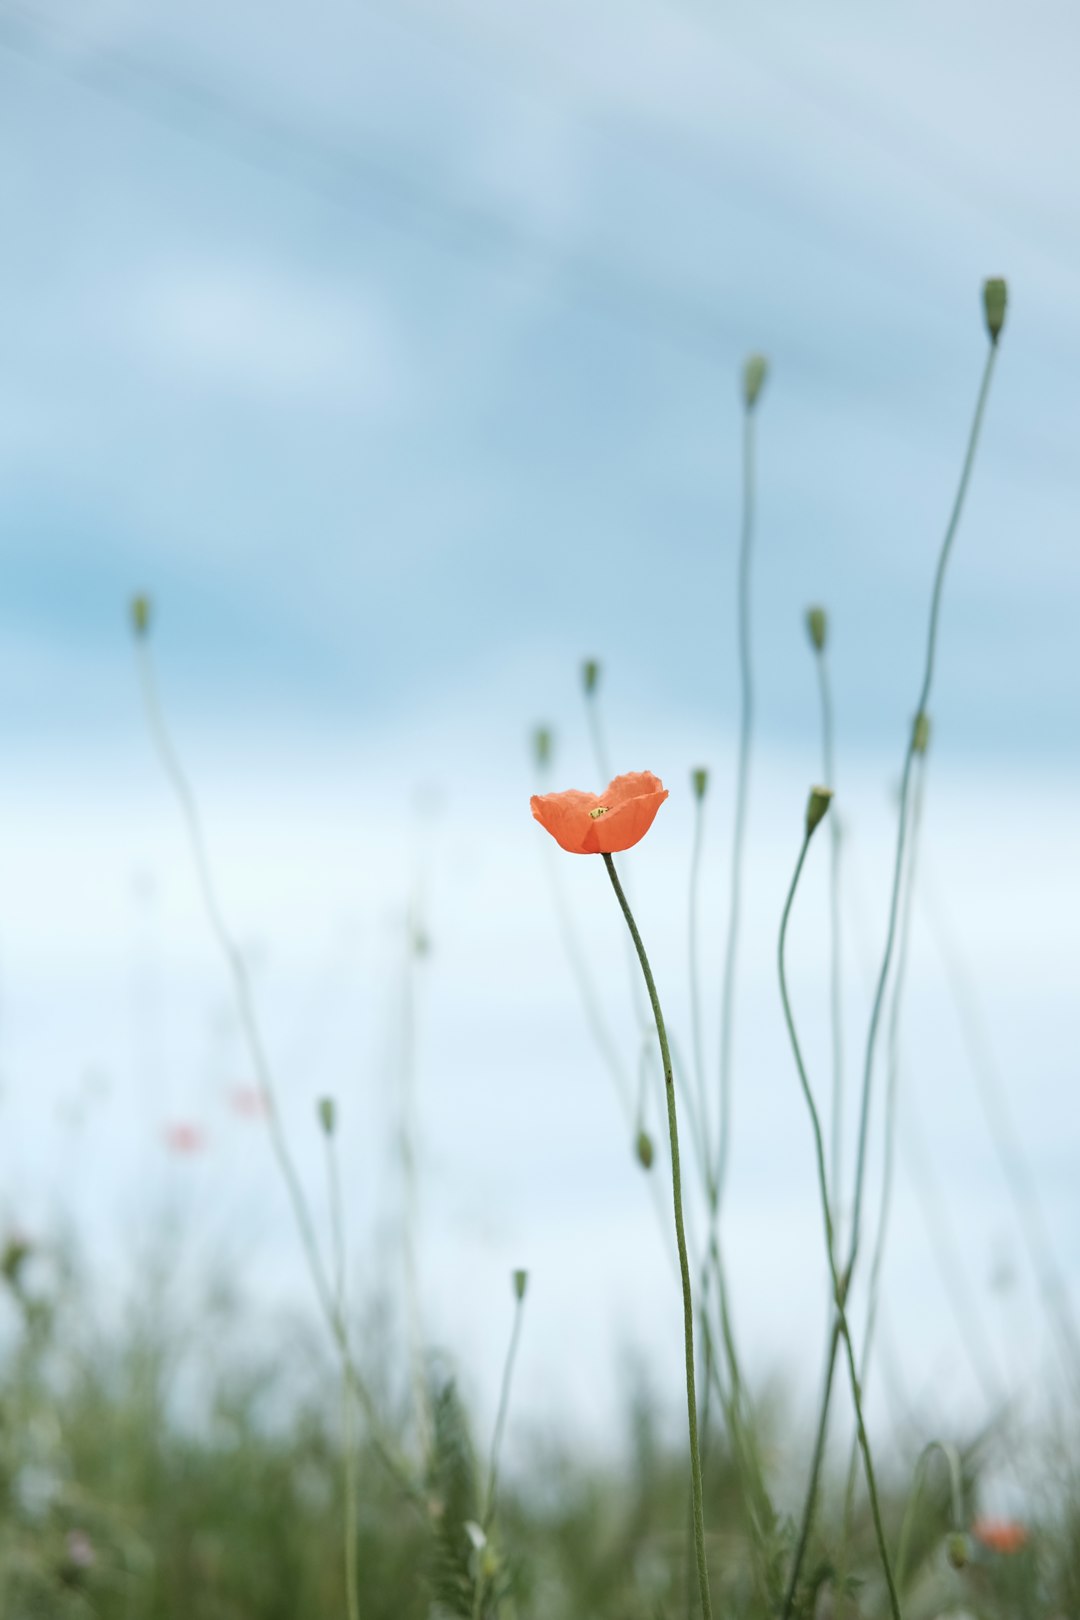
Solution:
(817, 807)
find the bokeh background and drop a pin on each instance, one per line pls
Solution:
(395, 352)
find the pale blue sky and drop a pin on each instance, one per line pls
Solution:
(396, 354)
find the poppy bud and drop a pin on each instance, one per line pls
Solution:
(541, 740)
(521, 1282)
(590, 675)
(920, 733)
(140, 614)
(816, 807)
(817, 625)
(700, 779)
(753, 379)
(995, 297)
(327, 1115)
(643, 1147)
(958, 1549)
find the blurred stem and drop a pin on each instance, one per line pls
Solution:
(695, 965)
(413, 945)
(680, 1237)
(836, 955)
(992, 1093)
(337, 1228)
(815, 1471)
(245, 1004)
(891, 1098)
(742, 782)
(488, 1513)
(503, 1408)
(901, 833)
(839, 1284)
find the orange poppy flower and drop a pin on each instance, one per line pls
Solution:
(602, 823)
(1000, 1535)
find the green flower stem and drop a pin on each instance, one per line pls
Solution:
(245, 1004)
(901, 835)
(839, 1284)
(496, 1443)
(680, 1237)
(337, 1228)
(891, 1094)
(503, 1408)
(698, 1045)
(742, 782)
(815, 1472)
(836, 959)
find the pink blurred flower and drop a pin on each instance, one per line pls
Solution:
(184, 1139)
(248, 1102)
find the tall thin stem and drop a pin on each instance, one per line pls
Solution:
(742, 786)
(901, 833)
(839, 1284)
(337, 1228)
(680, 1238)
(835, 948)
(503, 1408)
(902, 827)
(892, 1087)
(697, 1038)
(992, 1093)
(245, 1003)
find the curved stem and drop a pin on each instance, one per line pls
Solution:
(245, 1003)
(836, 955)
(901, 834)
(742, 782)
(680, 1238)
(839, 1284)
(891, 1096)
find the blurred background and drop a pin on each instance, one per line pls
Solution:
(395, 351)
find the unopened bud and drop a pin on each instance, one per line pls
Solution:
(995, 298)
(327, 1115)
(590, 675)
(700, 778)
(140, 615)
(541, 740)
(521, 1282)
(958, 1549)
(817, 625)
(817, 807)
(643, 1147)
(920, 733)
(753, 379)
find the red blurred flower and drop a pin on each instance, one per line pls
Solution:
(604, 823)
(1000, 1535)
(184, 1139)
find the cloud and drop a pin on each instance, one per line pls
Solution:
(251, 330)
